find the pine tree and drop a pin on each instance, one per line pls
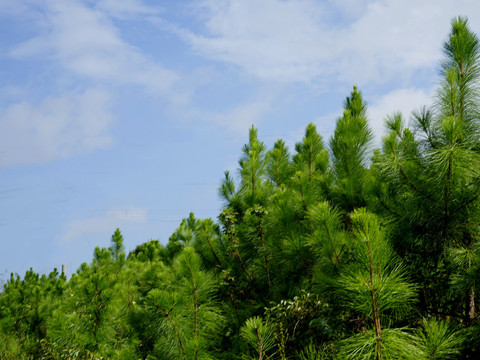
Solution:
(117, 249)
(259, 336)
(186, 318)
(279, 167)
(350, 149)
(253, 171)
(25, 308)
(311, 178)
(428, 180)
(376, 286)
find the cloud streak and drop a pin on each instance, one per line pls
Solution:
(89, 48)
(104, 225)
(55, 128)
(85, 41)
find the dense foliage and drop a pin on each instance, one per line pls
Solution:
(337, 251)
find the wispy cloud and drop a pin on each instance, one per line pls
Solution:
(55, 128)
(86, 42)
(292, 40)
(279, 40)
(81, 39)
(104, 225)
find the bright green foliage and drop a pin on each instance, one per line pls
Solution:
(208, 243)
(458, 97)
(85, 320)
(427, 182)
(259, 337)
(466, 261)
(25, 307)
(253, 170)
(184, 315)
(117, 248)
(312, 352)
(331, 247)
(375, 286)
(204, 236)
(197, 288)
(396, 344)
(328, 240)
(350, 148)
(311, 157)
(439, 340)
(312, 177)
(150, 251)
(279, 166)
(375, 281)
(227, 190)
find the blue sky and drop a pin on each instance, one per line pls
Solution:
(126, 113)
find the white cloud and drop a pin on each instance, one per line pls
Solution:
(56, 128)
(106, 224)
(85, 41)
(269, 39)
(402, 100)
(296, 40)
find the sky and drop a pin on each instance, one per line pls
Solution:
(125, 114)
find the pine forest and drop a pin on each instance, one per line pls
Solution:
(331, 250)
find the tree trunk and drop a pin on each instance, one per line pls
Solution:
(472, 314)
